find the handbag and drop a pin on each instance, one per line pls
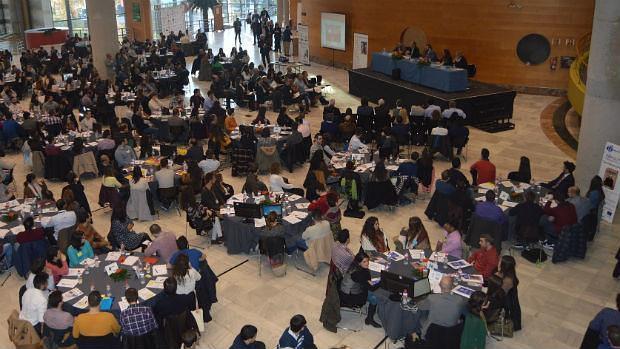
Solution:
(502, 327)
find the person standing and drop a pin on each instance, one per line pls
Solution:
(237, 26)
(286, 40)
(277, 37)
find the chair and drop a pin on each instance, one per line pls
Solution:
(56, 339)
(167, 196)
(572, 242)
(440, 337)
(110, 196)
(241, 159)
(174, 326)
(437, 208)
(167, 150)
(22, 334)
(99, 342)
(57, 167)
(38, 163)
(22, 290)
(471, 70)
(378, 193)
(275, 249)
(64, 236)
(265, 157)
(85, 163)
(176, 132)
(145, 341)
(28, 252)
(479, 226)
(319, 251)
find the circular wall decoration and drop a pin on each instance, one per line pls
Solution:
(533, 49)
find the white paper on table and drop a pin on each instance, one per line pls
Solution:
(146, 242)
(376, 267)
(395, 256)
(161, 278)
(434, 277)
(302, 206)
(417, 254)
(145, 294)
(123, 304)
(89, 262)
(459, 264)
(72, 293)
(292, 219)
(518, 190)
(294, 197)
(68, 283)
(299, 214)
(75, 271)
(3, 232)
(504, 196)
(259, 222)
(45, 221)
(339, 165)
(439, 257)
(480, 198)
(391, 168)
(507, 184)
(113, 256)
(82, 303)
(463, 291)
(111, 268)
(49, 210)
(160, 270)
(524, 185)
(18, 229)
(130, 260)
(13, 203)
(155, 284)
(488, 186)
(509, 203)
(482, 191)
(227, 211)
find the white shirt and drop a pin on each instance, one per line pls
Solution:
(355, 143)
(429, 110)
(87, 124)
(165, 178)
(209, 165)
(141, 185)
(367, 244)
(439, 131)
(34, 305)
(50, 281)
(188, 283)
(304, 128)
(448, 113)
(155, 106)
(277, 184)
(63, 219)
(316, 231)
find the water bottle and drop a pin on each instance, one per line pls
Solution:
(122, 249)
(405, 298)
(184, 166)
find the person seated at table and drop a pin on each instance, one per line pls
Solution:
(277, 183)
(261, 117)
(37, 189)
(56, 263)
(106, 143)
(138, 206)
(146, 146)
(124, 154)
(315, 181)
(429, 53)
(165, 182)
(182, 247)
(451, 243)
(283, 119)
(557, 218)
(34, 302)
(388, 145)
(164, 244)
(230, 123)
(136, 320)
(443, 309)
(503, 293)
(121, 230)
(195, 152)
(185, 275)
(524, 174)
(319, 229)
(56, 318)
(595, 192)
(582, 204)
(485, 259)
(223, 191)
(79, 249)
(528, 214)
(483, 170)
(356, 287)
(252, 183)
(562, 182)
(372, 237)
(443, 185)
(355, 143)
(449, 112)
(474, 328)
(414, 236)
(88, 122)
(297, 335)
(440, 128)
(210, 164)
(347, 127)
(95, 323)
(30, 233)
(447, 58)
(341, 254)
(62, 219)
(385, 192)
(196, 100)
(171, 303)
(460, 61)
(490, 211)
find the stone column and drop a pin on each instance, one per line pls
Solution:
(601, 118)
(283, 12)
(40, 13)
(102, 30)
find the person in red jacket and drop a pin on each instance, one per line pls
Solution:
(485, 259)
(564, 214)
(483, 170)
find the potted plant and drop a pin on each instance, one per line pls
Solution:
(203, 5)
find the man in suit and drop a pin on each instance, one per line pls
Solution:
(564, 181)
(444, 309)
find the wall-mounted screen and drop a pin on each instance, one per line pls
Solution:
(333, 26)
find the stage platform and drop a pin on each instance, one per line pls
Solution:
(488, 107)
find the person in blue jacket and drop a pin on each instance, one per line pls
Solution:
(297, 335)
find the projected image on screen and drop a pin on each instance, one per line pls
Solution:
(333, 28)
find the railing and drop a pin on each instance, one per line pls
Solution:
(578, 74)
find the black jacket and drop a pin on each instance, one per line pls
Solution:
(206, 290)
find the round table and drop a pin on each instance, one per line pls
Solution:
(398, 322)
(243, 237)
(96, 278)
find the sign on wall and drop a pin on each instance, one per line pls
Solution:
(172, 19)
(610, 167)
(304, 48)
(135, 12)
(360, 51)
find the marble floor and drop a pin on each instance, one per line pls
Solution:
(557, 301)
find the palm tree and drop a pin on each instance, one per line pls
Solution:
(203, 5)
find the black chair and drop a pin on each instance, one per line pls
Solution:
(167, 150)
(150, 340)
(440, 337)
(378, 193)
(480, 226)
(437, 208)
(57, 167)
(22, 290)
(174, 326)
(101, 342)
(471, 70)
(176, 133)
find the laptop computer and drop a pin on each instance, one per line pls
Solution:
(421, 288)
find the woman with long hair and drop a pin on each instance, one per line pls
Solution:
(79, 250)
(372, 237)
(414, 236)
(56, 263)
(121, 231)
(503, 293)
(524, 174)
(37, 189)
(425, 171)
(356, 287)
(595, 193)
(137, 205)
(475, 327)
(185, 275)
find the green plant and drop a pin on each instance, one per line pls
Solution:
(203, 5)
(120, 275)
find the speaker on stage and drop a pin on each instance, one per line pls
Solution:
(396, 74)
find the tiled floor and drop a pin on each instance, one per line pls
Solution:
(557, 300)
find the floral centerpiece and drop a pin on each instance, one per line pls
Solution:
(9, 216)
(120, 275)
(423, 61)
(397, 55)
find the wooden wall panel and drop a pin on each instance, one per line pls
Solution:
(141, 30)
(487, 31)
